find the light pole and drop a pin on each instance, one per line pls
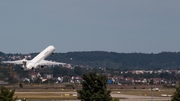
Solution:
(152, 94)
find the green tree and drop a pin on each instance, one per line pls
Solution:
(94, 88)
(176, 95)
(20, 85)
(6, 94)
(78, 71)
(151, 82)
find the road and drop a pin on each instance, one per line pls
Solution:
(139, 98)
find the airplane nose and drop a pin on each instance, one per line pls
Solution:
(52, 47)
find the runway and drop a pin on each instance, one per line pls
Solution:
(122, 97)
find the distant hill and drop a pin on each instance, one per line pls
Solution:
(1, 54)
(95, 59)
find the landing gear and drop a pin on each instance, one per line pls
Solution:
(42, 66)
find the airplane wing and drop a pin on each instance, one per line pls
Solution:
(18, 62)
(14, 62)
(49, 63)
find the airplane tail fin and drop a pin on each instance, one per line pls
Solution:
(24, 66)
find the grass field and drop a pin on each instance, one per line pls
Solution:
(144, 92)
(59, 92)
(68, 94)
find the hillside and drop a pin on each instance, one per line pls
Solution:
(95, 59)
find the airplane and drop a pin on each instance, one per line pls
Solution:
(37, 61)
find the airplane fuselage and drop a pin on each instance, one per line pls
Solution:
(41, 56)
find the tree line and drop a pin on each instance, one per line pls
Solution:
(96, 59)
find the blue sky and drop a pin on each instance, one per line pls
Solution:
(147, 26)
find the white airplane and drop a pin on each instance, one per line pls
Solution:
(37, 61)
